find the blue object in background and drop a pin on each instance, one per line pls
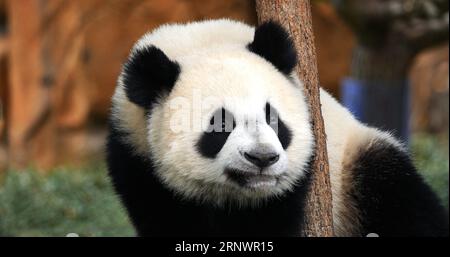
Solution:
(379, 105)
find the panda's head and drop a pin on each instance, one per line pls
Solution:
(222, 122)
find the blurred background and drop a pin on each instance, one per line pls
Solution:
(386, 60)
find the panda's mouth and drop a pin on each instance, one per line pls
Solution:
(251, 180)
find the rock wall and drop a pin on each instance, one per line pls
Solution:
(64, 58)
(59, 61)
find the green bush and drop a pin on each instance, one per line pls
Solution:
(430, 155)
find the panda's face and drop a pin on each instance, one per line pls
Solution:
(218, 113)
(249, 146)
(241, 135)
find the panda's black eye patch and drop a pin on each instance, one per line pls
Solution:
(220, 127)
(221, 121)
(274, 121)
(271, 116)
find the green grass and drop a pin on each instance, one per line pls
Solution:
(82, 201)
(65, 201)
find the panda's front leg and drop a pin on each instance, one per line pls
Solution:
(392, 197)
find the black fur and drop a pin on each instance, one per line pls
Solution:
(272, 42)
(393, 198)
(221, 125)
(149, 73)
(283, 132)
(156, 211)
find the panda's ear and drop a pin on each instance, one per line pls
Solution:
(272, 42)
(147, 74)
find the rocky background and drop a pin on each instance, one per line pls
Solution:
(59, 61)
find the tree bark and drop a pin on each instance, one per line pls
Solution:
(295, 16)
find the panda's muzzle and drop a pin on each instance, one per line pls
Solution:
(250, 179)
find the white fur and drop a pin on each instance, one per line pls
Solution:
(242, 83)
(346, 137)
(215, 64)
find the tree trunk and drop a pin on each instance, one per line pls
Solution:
(295, 16)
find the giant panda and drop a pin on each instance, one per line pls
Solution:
(210, 135)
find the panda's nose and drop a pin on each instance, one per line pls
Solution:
(260, 159)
